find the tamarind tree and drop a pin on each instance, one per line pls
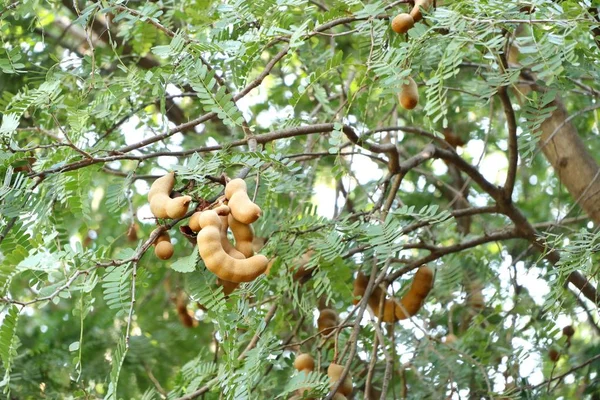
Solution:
(491, 180)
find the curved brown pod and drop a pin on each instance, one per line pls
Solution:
(328, 319)
(409, 94)
(394, 309)
(161, 204)
(243, 235)
(217, 260)
(415, 13)
(242, 208)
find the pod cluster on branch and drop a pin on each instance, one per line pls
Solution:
(163, 206)
(231, 264)
(402, 23)
(391, 309)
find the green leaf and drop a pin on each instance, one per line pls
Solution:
(186, 264)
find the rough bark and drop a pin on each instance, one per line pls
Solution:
(574, 165)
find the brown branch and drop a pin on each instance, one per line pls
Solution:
(582, 365)
(513, 153)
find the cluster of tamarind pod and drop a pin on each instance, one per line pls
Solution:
(163, 206)
(305, 363)
(231, 264)
(401, 23)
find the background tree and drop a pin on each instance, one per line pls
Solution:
(491, 180)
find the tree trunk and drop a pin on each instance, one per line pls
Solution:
(574, 165)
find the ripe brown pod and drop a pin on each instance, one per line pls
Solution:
(450, 339)
(132, 235)
(304, 362)
(415, 13)
(184, 314)
(161, 204)
(302, 273)
(224, 211)
(193, 222)
(554, 355)
(217, 260)
(402, 23)
(394, 310)
(328, 319)
(163, 248)
(228, 287)
(243, 235)
(242, 208)
(409, 95)
(334, 371)
(568, 331)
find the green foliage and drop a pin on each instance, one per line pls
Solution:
(8, 345)
(116, 285)
(98, 98)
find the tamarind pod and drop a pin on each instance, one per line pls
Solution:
(388, 311)
(227, 246)
(302, 273)
(389, 306)
(163, 248)
(409, 95)
(158, 205)
(328, 319)
(228, 287)
(422, 281)
(402, 23)
(183, 313)
(328, 313)
(185, 317)
(334, 371)
(568, 331)
(217, 260)
(339, 396)
(193, 222)
(304, 362)
(360, 286)
(394, 310)
(325, 327)
(243, 236)
(412, 301)
(132, 231)
(164, 185)
(415, 13)
(242, 208)
(223, 212)
(408, 306)
(162, 206)
(178, 207)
